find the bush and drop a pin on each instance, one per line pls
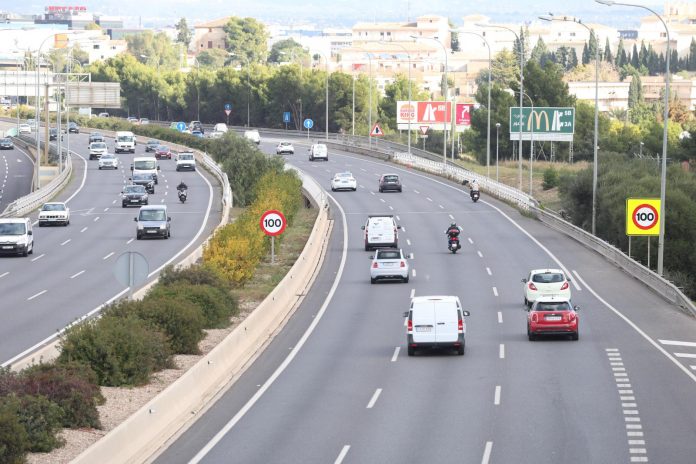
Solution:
(120, 350)
(550, 178)
(217, 305)
(195, 275)
(14, 440)
(71, 386)
(40, 418)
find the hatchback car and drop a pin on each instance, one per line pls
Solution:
(6, 144)
(54, 213)
(143, 121)
(133, 195)
(152, 145)
(73, 128)
(132, 120)
(553, 316)
(389, 182)
(24, 129)
(544, 283)
(96, 137)
(53, 134)
(108, 161)
(163, 151)
(152, 221)
(389, 264)
(343, 181)
(285, 148)
(145, 180)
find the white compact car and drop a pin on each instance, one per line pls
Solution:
(388, 264)
(285, 148)
(24, 129)
(97, 149)
(108, 161)
(54, 212)
(343, 181)
(545, 283)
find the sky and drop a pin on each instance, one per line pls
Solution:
(344, 13)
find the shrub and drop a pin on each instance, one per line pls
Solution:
(120, 350)
(9, 382)
(41, 419)
(71, 386)
(217, 305)
(196, 275)
(550, 178)
(181, 320)
(14, 440)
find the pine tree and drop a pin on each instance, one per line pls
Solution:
(573, 60)
(635, 91)
(607, 52)
(592, 46)
(585, 54)
(635, 59)
(643, 54)
(691, 66)
(620, 52)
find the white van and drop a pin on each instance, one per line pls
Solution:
(435, 322)
(124, 142)
(318, 151)
(146, 165)
(381, 231)
(16, 236)
(220, 127)
(252, 135)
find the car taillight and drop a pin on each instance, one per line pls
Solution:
(571, 317)
(564, 286)
(375, 265)
(532, 286)
(403, 263)
(410, 326)
(460, 325)
(535, 318)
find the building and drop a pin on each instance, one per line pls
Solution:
(210, 35)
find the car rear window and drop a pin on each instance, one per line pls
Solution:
(553, 306)
(547, 278)
(391, 178)
(388, 255)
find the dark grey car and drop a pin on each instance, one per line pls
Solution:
(133, 195)
(145, 180)
(389, 182)
(6, 144)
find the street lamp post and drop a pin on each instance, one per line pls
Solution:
(248, 84)
(409, 88)
(519, 163)
(326, 65)
(198, 89)
(446, 95)
(596, 113)
(663, 176)
(497, 127)
(369, 112)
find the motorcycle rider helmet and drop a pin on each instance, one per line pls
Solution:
(454, 224)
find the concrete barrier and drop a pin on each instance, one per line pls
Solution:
(142, 434)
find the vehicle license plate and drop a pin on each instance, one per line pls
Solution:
(423, 328)
(151, 231)
(134, 201)
(553, 318)
(7, 247)
(387, 264)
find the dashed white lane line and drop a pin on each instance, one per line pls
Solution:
(496, 397)
(362, 186)
(396, 354)
(38, 294)
(408, 242)
(488, 270)
(441, 207)
(416, 191)
(108, 256)
(451, 217)
(129, 241)
(500, 317)
(413, 291)
(480, 254)
(411, 256)
(428, 198)
(344, 451)
(403, 229)
(38, 257)
(372, 193)
(470, 241)
(391, 208)
(374, 398)
(501, 351)
(106, 209)
(78, 274)
(413, 272)
(66, 242)
(4, 274)
(487, 452)
(114, 202)
(382, 200)
(495, 291)
(398, 218)
(96, 219)
(83, 229)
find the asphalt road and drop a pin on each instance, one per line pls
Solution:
(16, 171)
(70, 273)
(625, 392)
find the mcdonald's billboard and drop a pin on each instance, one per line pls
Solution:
(543, 124)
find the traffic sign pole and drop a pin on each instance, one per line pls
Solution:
(273, 223)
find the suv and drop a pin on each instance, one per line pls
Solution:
(389, 182)
(140, 178)
(381, 232)
(97, 149)
(252, 136)
(153, 221)
(185, 160)
(133, 195)
(96, 137)
(16, 236)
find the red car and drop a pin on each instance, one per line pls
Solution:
(552, 316)
(163, 151)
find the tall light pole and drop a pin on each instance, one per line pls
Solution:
(409, 87)
(326, 65)
(488, 108)
(198, 89)
(369, 112)
(446, 95)
(38, 112)
(521, 51)
(248, 84)
(663, 176)
(497, 127)
(596, 112)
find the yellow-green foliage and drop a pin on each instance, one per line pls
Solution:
(236, 249)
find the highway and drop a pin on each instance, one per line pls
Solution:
(70, 274)
(16, 171)
(336, 385)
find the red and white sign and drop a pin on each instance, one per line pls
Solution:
(642, 216)
(437, 115)
(424, 129)
(273, 222)
(376, 130)
(463, 114)
(407, 112)
(227, 112)
(434, 112)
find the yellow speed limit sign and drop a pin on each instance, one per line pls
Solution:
(643, 216)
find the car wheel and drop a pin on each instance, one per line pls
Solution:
(527, 303)
(380, 190)
(145, 203)
(123, 205)
(138, 236)
(100, 168)
(460, 349)
(575, 336)
(406, 279)
(531, 336)
(411, 351)
(373, 280)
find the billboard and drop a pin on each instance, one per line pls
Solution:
(436, 115)
(544, 124)
(96, 94)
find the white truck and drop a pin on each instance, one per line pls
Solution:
(124, 142)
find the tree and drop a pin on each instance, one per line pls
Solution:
(592, 46)
(154, 49)
(246, 38)
(691, 66)
(540, 52)
(585, 54)
(212, 58)
(288, 50)
(635, 61)
(635, 91)
(504, 69)
(607, 52)
(454, 37)
(183, 35)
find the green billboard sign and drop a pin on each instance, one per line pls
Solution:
(543, 124)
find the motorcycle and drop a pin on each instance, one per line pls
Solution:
(475, 195)
(453, 244)
(183, 193)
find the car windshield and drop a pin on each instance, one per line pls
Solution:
(12, 229)
(144, 164)
(285, 144)
(153, 142)
(162, 148)
(53, 207)
(391, 178)
(153, 215)
(134, 189)
(125, 138)
(185, 156)
(6, 140)
(108, 157)
(344, 174)
(390, 254)
(553, 306)
(147, 177)
(547, 278)
(98, 145)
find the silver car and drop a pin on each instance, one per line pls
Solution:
(389, 264)
(108, 161)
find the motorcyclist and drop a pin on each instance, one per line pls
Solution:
(453, 230)
(473, 187)
(182, 186)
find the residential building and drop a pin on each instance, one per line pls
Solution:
(210, 35)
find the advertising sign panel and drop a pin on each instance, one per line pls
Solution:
(544, 124)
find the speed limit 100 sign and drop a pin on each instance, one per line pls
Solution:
(643, 216)
(273, 222)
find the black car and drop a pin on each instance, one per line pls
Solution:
(6, 144)
(133, 195)
(53, 134)
(389, 182)
(151, 145)
(145, 180)
(73, 128)
(95, 137)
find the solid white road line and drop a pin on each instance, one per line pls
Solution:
(488, 270)
(75, 275)
(396, 353)
(496, 399)
(487, 452)
(38, 294)
(344, 451)
(495, 291)
(66, 242)
(500, 317)
(575, 284)
(373, 400)
(108, 256)
(501, 351)
(677, 343)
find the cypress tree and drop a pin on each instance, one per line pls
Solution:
(607, 52)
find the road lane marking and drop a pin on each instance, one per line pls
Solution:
(372, 193)
(83, 229)
(413, 290)
(416, 191)
(487, 452)
(396, 353)
(451, 217)
(495, 291)
(639, 459)
(500, 317)
(391, 208)
(403, 229)
(344, 451)
(441, 207)
(374, 398)
(496, 399)
(470, 241)
(413, 271)
(4, 274)
(677, 343)
(66, 242)
(488, 270)
(634, 434)
(411, 256)
(106, 209)
(398, 218)
(108, 256)
(38, 257)
(38, 294)
(501, 351)
(96, 219)
(382, 200)
(428, 198)
(480, 254)
(408, 242)
(685, 355)
(78, 274)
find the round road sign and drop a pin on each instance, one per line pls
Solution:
(308, 123)
(273, 222)
(644, 216)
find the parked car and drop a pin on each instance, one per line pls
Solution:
(545, 283)
(145, 180)
(343, 181)
(389, 264)
(133, 195)
(153, 221)
(108, 161)
(381, 231)
(163, 151)
(285, 148)
(253, 136)
(73, 128)
(435, 322)
(553, 315)
(54, 213)
(389, 182)
(6, 144)
(318, 151)
(185, 160)
(152, 145)
(97, 149)
(24, 129)
(16, 236)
